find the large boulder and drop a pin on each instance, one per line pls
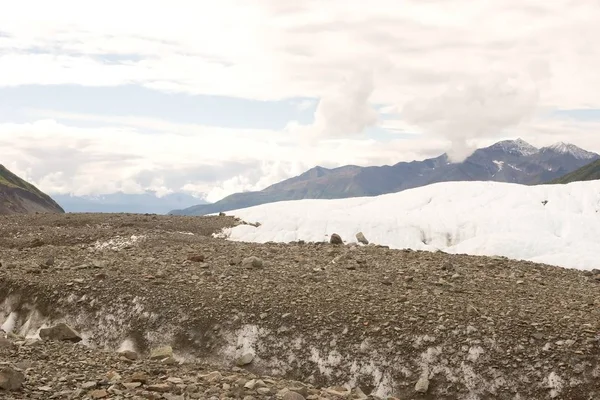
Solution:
(62, 332)
(11, 379)
(361, 238)
(336, 239)
(252, 262)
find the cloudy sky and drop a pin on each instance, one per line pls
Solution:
(215, 97)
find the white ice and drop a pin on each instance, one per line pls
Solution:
(480, 218)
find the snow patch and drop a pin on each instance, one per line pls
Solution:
(555, 383)
(118, 242)
(518, 146)
(10, 322)
(568, 148)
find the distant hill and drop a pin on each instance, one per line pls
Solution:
(18, 196)
(514, 161)
(589, 172)
(139, 203)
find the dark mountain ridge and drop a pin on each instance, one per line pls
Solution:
(514, 161)
(589, 172)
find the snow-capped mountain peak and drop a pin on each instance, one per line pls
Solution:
(518, 146)
(568, 148)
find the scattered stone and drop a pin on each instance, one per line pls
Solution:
(159, 387)
(98, 394)
(129, 354)
(361, 238)
(196, 258)
(244, 359)
(6, 343)
(140, 377)
(11, 379)
(62, 332)
(214, 376)
(171, 396)
(422, 385)
(131, 385)
(338, 391)
(161, 353)
(47, 263)
(89, 385)
(290, 395)
(114, 377)
(252, 262)
(37, 242)
(336, 239)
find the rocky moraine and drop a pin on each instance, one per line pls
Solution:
(154, 307)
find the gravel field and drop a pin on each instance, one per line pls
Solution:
(347, 321)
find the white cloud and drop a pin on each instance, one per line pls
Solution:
(439, 65)
(484, 108)
(343, 112)
(266, 50)
(62, 157)
(119, 155)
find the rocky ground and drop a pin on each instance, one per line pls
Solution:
(414, 325)
(56, 369)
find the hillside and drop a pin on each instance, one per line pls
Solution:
(553, 224)
(589, 172)
(513, 161)
(18, 196)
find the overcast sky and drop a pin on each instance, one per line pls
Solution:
(216, 97)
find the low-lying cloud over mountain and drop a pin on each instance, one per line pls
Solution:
(148, 202)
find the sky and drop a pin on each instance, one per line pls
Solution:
(213, 98)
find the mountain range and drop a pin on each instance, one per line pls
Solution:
(18, 196)
(140, 203)
(514, 161)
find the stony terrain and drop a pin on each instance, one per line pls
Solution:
(412, 325)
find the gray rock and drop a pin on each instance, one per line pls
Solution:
(361, 238)
(47, 263)
(160, 353)
(291, 395)
(422, 385)
(252, 262)
(129, 354)
(244, 359)
(214, 376)
(6, 343)
(251, 384)
(335, 239)
(11, 379)
(62, 332)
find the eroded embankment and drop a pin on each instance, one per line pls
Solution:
(463, 363)
(395, 323)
